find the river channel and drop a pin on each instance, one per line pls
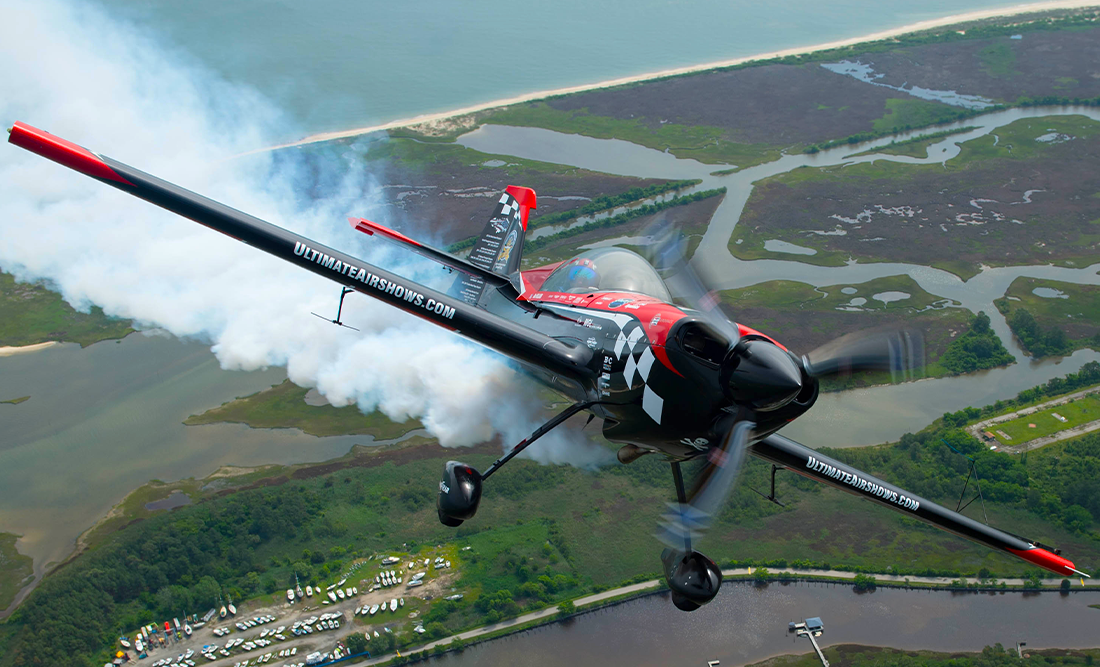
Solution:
(853, 418)
(746, 624)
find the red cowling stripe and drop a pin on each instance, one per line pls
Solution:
(62, 152)
(1046, 560)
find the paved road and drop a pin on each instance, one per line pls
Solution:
(975, 429)
(649, 585)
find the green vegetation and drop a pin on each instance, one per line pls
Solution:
(606, 203)
(977, 349)
(917, 146)
(852, 655)
(902, 115)
(1088, 376)
(531, 543)
(1077, 412)
(615, 220)
(15, 569)
(30, 314)
(708, 145)
(998, 60)
(284, 406)
(17, 401)
(1053, 326)
(601, 204)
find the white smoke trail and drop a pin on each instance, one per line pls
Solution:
(76, 72)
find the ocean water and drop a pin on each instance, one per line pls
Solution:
(335, 64)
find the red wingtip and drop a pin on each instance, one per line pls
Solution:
(62, 152)
(526, 199)
(1047, 561)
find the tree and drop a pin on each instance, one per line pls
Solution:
(356, 643)
(567, 609)
(865, 582)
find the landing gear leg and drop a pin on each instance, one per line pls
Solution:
(693, 578)
(460, 488)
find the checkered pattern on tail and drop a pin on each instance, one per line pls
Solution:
(498, 249)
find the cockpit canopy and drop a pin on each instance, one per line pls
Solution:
(607, 270)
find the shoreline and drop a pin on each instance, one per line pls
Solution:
(977, 15)
(8, 351)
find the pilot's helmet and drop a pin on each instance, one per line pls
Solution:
(582, 275)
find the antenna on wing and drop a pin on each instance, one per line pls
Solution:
(344, 291)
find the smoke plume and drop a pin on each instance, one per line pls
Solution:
(74, 71)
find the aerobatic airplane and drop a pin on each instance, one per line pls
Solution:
(602, 329)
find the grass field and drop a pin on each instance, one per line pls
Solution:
(1080, 411)
(284, 406)
(15, 569)
(30, 314)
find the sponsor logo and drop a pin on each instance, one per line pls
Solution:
(509, 243)
(498, 225)
(620, 302)
(592, 343)
(863, 485)
(656, 320)
(443, 488)
(380, 285)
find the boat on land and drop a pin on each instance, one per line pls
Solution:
(332, 596)
(393, 604)
(309, 591)
(373, 610)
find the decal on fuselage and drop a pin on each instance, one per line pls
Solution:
(381, 285)
(858, 482)
(633, 346)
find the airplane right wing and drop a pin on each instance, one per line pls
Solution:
(787, 453)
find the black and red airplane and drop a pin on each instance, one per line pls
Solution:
(601, 329)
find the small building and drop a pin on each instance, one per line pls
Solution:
(814, 624)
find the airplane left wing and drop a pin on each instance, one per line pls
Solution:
(509, 338)
(787, 453)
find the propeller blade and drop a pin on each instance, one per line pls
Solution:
(900, 352)
(667, 253)
(684, 522)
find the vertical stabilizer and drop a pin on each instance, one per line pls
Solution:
(500, 247)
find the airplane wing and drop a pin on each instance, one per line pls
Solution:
(787, 453)
(509, 338)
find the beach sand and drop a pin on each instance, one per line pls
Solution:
(1012, 10)
(9, 351)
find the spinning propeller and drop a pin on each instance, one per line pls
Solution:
(758, 376)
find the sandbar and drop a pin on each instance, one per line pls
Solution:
(8, 351)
